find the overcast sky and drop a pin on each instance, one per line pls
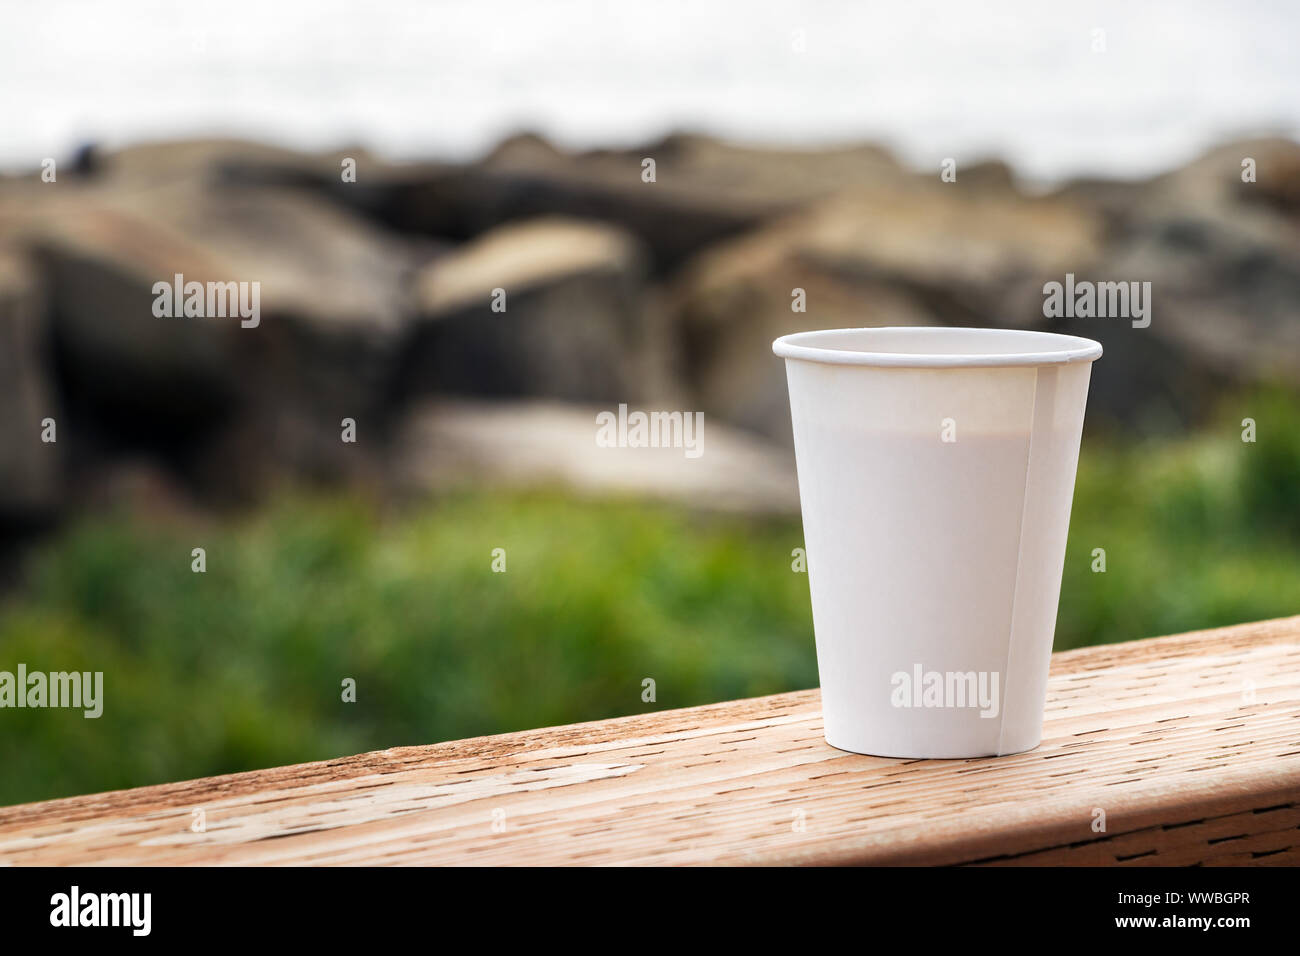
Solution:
(1019, 79)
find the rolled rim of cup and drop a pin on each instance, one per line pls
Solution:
(936, 347)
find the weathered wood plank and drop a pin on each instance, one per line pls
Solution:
(1189, 744)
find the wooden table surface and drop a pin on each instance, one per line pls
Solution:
(1189, 746)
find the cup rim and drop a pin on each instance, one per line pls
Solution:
(1041, 348)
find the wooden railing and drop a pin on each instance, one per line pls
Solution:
(1174, 750)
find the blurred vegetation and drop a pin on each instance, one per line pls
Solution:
(1199, 532)
(241, 667)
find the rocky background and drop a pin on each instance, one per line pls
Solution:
(376, 305)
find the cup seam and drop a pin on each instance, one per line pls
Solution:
(1020, 559)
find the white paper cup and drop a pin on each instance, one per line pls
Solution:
(936, 471)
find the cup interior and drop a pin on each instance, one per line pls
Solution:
(941, 347)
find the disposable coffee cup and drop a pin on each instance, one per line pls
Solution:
(936, 472)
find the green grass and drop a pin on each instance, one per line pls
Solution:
(241, 667)
(1198, 533)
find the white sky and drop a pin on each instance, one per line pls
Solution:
(1017, 79)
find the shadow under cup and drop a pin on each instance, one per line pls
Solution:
(936, 472)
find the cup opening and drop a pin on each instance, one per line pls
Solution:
(941, 347)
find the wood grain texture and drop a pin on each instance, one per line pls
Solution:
(1189, 744)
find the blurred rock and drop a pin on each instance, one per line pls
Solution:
(243, 162)
(379, 293)
(333, 314)
(1277, 182)
(1223, 260)
(705, 190)
(446, 445)
(578, 321)
(923, 253)
(1223, 257)
(990, 175)
(30, 483)
(372, 186)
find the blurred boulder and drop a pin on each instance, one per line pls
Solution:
(704, 189)
(989, 176)
(242, 162)
(1223, 259)
(1277, 175)
(332, 311)
(30, 483)
(449, 444)
(351, 177)
(921, 253)
(381, 291)
(550, 308)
